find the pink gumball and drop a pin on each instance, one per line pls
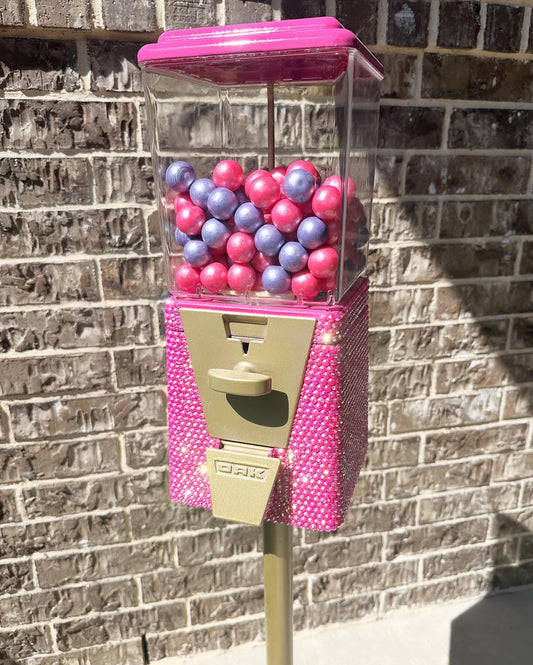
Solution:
(307, 166)
(214, 277)
(241, 277)
(326, 203)
(336, 181)
(307, 208)
(305, 284)
(279, 175)
(264, 191)
(181, 200)
(334, 232)
(355, 211)
(187, 278)
(190, 219)
(240, 247)
(323, 262)
(261, 261)
(228, 173)
(286, 216)
(250, 178)
(328, 284)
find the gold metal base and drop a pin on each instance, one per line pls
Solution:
(277, 562)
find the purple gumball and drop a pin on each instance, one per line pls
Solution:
(215, 234)
(241, 195)
(200, 190)
(222, 203)
(248, 218)
(275, 280)
(293, 257)
(299, 186)
(196, 253)
(269, 240)
(180, 176)
(312, 233)
(181, 238)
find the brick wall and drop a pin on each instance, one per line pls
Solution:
(97, 564)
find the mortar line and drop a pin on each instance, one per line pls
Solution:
(32, 12)
(482, 26)
(381, 27)
(83, 64)
(220, 12)
(98, 13)
(160, 14)
(433, 24)
(524, 37)
(109, 96)
(330, 8)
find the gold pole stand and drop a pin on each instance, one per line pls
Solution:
(277, 562)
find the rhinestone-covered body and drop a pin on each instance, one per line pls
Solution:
(321, 464)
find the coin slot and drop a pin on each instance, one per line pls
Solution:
(245, 347)
(245, 328)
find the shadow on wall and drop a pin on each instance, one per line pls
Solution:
(499, 629)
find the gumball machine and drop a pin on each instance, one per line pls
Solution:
(263, 140)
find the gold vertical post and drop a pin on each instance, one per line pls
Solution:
(277, 561)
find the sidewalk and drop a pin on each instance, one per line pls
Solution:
(487, 630)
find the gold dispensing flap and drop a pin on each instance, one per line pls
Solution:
(241, 478)
(249, 370)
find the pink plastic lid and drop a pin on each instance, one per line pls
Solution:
(298, 34)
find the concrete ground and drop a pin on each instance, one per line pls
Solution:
(488, 630)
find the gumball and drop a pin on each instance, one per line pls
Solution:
(355, 211)
(329, 283)
(250, 178)
(306, 166)
(241, 195)
(261, 261)
(264, 191)
(326, 203)
(293, 257)
(305, 284)
(269, 240)
(222, 203)
(215, 234)
(181, 200)
(286, 216)
(299, 185)
(181, 238)
(200, 190)
(279, 175)
(240, 247)
(248, 218)
(337, 182)
(334, 232)
(312, 233)
(190, 219)
(228, 173)
(241, 277)
(275, 280)
(214, 277)
(323, 262)
(180, 176)
(196, 252)
(187, 278)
